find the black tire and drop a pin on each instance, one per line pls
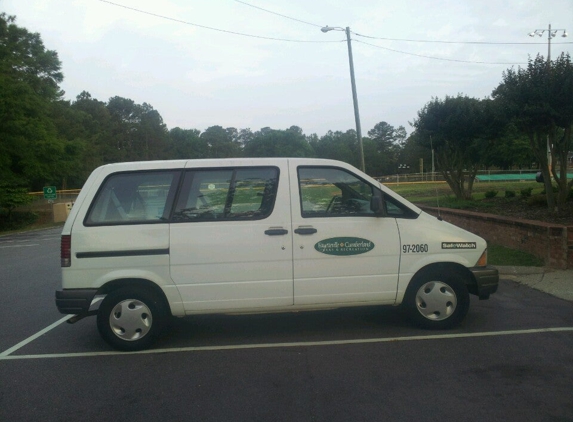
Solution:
(437, 299)
(131, 318)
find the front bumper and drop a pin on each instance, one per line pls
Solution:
(487, 280)
(74, 301)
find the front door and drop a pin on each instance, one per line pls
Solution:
(231, 243)
(343, 252)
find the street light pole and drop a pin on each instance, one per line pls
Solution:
(433, 169)
(354, 95)
(551, 33)
(355, 100)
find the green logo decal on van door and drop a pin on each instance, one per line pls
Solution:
(344, 246)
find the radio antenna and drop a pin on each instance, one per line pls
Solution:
(438, 202)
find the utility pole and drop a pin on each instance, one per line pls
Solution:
(354, 95)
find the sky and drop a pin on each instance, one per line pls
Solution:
(254, 63)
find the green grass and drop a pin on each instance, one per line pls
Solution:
(500, 255)
(430, 193)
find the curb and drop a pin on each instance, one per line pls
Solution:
(515, 270)
(558, 283)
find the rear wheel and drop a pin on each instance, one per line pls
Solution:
(131, 318)
(437, 299)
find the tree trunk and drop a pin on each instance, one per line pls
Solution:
(539, 148)
(453, 174)
(559, 154)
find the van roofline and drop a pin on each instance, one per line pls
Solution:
(214, 162)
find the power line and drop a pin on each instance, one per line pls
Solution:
(211, 28)
(432, 57)
(278, 14)
(454, 42)
(398, 39)
(319, 42)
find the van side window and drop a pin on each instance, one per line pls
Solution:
(333, 192)
(133, 198)
(396, 209)
(227, 194)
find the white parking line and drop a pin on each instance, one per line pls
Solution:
(34, 337)
(19, 246)
(5, 355)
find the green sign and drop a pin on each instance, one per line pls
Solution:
(344, 246)
(50, 192)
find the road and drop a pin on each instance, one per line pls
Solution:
(512, 359)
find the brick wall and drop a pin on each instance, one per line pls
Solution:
(551, 242)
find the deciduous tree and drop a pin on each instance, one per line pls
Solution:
(338, 145)
(221, 142)
(388, 142)
(278, 143)
(458, 129)
(29, 78)
(539, 98)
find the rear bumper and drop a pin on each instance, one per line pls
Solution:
(487, 280)
(74, 301)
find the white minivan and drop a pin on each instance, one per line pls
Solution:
(173, 238)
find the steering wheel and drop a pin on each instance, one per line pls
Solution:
(336, 200)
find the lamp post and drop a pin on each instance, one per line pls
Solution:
(433, 168)
(353, 83)
(551, 33)
(401, 167)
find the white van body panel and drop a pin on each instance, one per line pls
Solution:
(234, 266)
(427, 230)
(322, 279)
(87, 190)
(97, 271)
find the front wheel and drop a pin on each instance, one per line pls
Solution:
(131, 318)
(437, 300)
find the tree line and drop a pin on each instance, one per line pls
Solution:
(528, 118)
(48, 140)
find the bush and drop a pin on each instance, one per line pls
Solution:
(554, 188)
(526, 193)
(17, 220)
(491, 194)
(509, 194)
(537, 201)
(12, 197)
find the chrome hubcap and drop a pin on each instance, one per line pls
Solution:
(436, 300)
(130, 320)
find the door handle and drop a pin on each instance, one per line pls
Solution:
(305, 230)
(276, 231)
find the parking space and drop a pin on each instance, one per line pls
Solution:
(514, 310)
(188, 337)
(510, 360)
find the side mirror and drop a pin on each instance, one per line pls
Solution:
(377, 206)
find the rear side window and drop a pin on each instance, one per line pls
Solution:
(134, 198)
(227, 194)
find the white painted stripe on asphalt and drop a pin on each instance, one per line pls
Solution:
(295, 344)
(19, 246)
(34, 337)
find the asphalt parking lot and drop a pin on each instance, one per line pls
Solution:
(512, 359)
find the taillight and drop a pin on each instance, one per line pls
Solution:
(66, 250)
